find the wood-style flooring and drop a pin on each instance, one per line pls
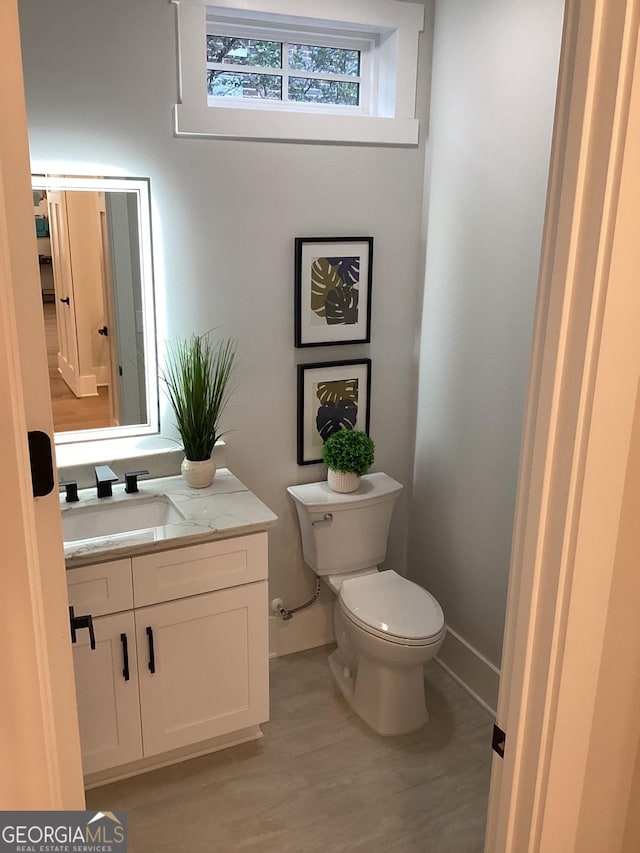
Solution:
(320, 781)
(71, 412)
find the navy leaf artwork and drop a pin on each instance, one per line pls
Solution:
(334, 290)
(338, 407)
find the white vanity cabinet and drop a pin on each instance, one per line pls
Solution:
(108, 699)
(192, 624)
(106, 688)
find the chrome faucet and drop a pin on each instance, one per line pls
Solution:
(104, 478)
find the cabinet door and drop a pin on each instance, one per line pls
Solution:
(107, 694)
(210, 662)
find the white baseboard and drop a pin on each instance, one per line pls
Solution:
(82, 385)
(305, 630)
(68, 374)
(102, 373)
(478, 676)
(87, 386)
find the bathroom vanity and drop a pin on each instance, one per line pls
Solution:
(179, 617)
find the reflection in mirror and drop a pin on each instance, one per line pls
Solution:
(94, 252)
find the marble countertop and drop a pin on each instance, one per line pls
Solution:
(226, 508)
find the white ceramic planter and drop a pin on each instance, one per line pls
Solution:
(341, 481)
(198, 475)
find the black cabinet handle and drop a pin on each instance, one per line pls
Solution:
(92, 636)
(78, 622)
(65, 299)
(104, 331)
(152, 656)
(125, 656)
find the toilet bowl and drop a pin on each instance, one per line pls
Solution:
(386, 626)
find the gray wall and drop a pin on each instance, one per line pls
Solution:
(101, 84)
(495, 67)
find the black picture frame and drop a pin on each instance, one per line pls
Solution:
(328, 394)
(333, 282)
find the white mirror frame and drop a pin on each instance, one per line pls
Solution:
(140, 186)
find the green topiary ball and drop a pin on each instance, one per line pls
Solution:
(349, 450)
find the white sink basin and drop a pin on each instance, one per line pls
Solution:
(125, 516)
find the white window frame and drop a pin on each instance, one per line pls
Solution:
(389, 30)
(364, 44)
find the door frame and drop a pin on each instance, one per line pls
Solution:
(41, 766)
(107, 300)
(575, 475)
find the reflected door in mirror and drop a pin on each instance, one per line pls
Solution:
(101, 329)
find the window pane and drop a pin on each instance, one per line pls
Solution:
(323, 91)
(305, 57)
(237, 51)
(231, 84)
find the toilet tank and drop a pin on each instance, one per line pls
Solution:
(345, 532)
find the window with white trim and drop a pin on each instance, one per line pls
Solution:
(273, 72)
(292, 69)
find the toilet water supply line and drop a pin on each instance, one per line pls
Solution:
(277, 605)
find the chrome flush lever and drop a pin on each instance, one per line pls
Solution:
(327, 518)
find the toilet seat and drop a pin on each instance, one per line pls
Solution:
(393, 608)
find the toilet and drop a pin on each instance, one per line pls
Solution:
(386, 626)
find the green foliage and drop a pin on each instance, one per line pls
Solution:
(232, 81)
(349, 450)
(237, 52)
(304, 57)
(197, 381)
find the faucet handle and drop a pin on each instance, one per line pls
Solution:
(71, 490)
(131, 479)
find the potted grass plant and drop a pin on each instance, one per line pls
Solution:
(348, 454)
(197, 379)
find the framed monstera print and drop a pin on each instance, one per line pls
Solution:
(333, 278)
(332, 395)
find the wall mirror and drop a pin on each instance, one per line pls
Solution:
(96, 276)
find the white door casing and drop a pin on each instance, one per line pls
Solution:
(65, 300)
(39, 743)
(574, 463)
(107, 295)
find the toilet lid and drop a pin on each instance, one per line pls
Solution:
(391, 606)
